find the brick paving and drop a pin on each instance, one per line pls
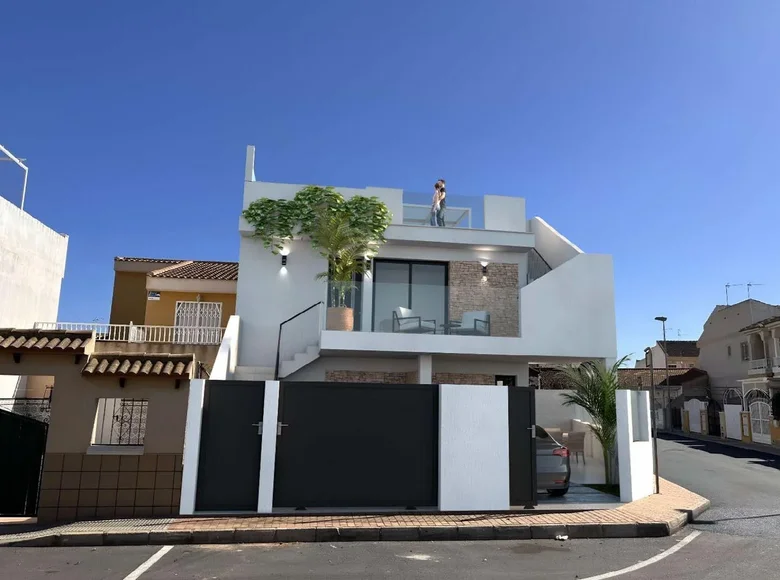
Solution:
(656, 515)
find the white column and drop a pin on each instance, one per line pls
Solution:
(473, 448)
(265, 491)
(189, 476)
(425, 369)
(634, 445)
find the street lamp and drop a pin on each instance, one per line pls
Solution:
(649, 354)
(667, 411)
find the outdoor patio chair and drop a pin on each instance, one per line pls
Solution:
(475, 323)
(406, 321)
(575, 441)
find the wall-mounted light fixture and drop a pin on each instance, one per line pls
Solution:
(484, 270)
(284, 253)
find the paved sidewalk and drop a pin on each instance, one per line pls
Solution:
(760, 447)
(657, 515)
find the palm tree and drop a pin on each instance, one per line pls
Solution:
(347, 250)
(594, 387)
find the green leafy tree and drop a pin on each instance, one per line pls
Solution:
(594, 386)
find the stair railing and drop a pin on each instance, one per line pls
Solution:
(279, 339)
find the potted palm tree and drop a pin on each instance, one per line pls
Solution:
(348, 251)
(594, 387)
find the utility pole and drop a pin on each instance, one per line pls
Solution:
(654, 423)
(667, 408)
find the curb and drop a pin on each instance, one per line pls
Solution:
(308, 535)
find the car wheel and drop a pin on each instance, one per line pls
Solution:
(558, 492)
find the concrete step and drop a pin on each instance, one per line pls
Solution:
(299, 360)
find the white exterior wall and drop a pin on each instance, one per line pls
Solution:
(551, 245)
(504, 213)
(550, 411)
(32, 265)
(473, 448)
(570, 311)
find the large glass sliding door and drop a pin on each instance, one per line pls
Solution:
(418, 286)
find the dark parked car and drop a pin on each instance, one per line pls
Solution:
(553, 469)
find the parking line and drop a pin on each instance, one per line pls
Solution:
(679, 546)
(149, 563)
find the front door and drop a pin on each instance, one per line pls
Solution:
(522, 450)
(22, 445)
(759, 422)
(357, 445)
(229, 463)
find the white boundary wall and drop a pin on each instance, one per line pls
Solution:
(733, 421)
(32, 265)
(473, 448)
(635, 445)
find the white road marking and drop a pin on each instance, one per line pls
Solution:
(149, 563)
(679, 546)
(419, 557)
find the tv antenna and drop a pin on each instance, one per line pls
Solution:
(729, 285)
(750, 285)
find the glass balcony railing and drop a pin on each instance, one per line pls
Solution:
(463, 310)
(460, 211)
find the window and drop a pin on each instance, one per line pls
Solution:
(728, 350)
(744, 351)
(673, 366)
(120, 422)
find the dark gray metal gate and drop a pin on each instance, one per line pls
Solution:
(522, 448)
(229, 462)
(357, 445)
(22, 446)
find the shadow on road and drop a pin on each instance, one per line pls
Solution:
(754, 457)
(719, 520)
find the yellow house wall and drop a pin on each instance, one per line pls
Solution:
(128, 303)
(162, 312)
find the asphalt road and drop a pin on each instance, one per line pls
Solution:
(740, 539)
(743, 486)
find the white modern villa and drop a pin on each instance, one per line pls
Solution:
(470, 303)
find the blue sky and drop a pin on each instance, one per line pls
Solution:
(647, 130)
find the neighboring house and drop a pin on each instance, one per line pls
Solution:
(32, 266)
(724, 350)
(562, 311)
(165, 306)
(115, 437)
(681, 354)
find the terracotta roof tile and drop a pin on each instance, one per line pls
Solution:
(199, 270)
(140, 365)
(761, 323)
(34, 340)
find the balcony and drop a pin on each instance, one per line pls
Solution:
(135, 333)
(757, 367)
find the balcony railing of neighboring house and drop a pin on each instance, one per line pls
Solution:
(197, 335)
(757, 367)
(537, 266)
(776, 362)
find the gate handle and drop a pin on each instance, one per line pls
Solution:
(279, 427)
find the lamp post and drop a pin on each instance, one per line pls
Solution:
(667, 411)
(649, 353)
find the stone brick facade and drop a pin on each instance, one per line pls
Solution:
(408, 378)
(75, 486)
(463, 379)
(498, 294)
(387, 378)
